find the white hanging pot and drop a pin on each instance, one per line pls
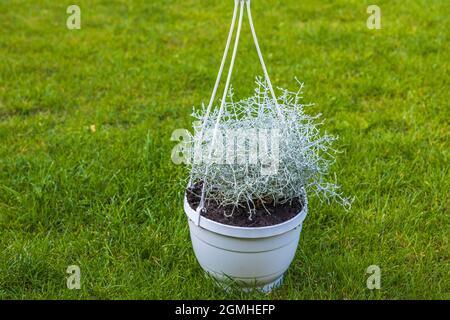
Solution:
(251, 257)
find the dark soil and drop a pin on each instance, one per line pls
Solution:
(261, 218)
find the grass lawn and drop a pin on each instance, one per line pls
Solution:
(85, 122)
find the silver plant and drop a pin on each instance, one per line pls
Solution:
(304, 153)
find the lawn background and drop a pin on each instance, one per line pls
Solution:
(110, 201)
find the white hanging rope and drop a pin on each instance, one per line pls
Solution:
(261, 59)
(222, 104)
(219, 75)
(222, 64)
(227, 84)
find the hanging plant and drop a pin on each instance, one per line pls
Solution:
(252, 163)
(260, 159)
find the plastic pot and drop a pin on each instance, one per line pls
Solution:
(251, 257)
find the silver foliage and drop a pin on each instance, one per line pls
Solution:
(304, 157)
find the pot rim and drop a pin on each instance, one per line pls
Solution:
(246, 232)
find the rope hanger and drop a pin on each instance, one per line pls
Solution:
(238, 4)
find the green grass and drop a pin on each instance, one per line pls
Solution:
(110, 201)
